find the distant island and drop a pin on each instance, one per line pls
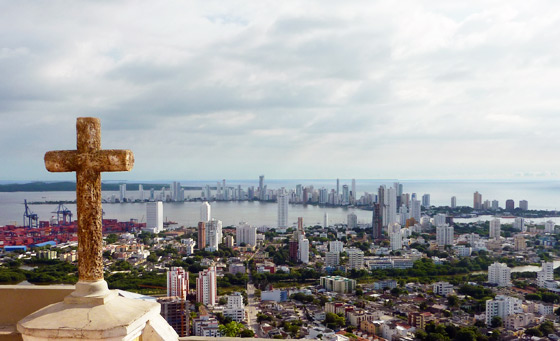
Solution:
(71, 186)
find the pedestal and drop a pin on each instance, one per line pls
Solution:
(93, 312)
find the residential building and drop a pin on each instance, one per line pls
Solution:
(426, 200)
(177, 282)
(453, 202)
(519, 224)
(502, 306)
(338, 284)
(444, 235)
(235, 308)
(500, 274)
(246, 234)
(510, 205)
(549, 226)
(495, 229)
(276, 295)
(205, 212)
(213, 235)
(352, 221)
(477, 201)
(154, 216)
(332, 258)
(545, 274)
(206, 286)
(519, 242)
(442, 288)
(201, 235)
(355, 258)
(336, 246)
(175, 310)
(523, 205)
(283, 201)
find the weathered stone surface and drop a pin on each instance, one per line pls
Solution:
(88, 161)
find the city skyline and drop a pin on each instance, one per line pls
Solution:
(314, 90)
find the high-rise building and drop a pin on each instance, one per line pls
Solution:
(345, 195)
(205, 212)
(523, 205)
(355, 258)
(154, 216)
(336, 246)
(326, 220)
(303, 249)
(549, 226)
(177, 192)
(545, 274)
(201, 235)
(262, 191)
(502, 306)
(391, 206)
(495, 229)
(175, 311)
(415, 209)
(354, 194)
(500, 274)
(519, 242)
(352, 221)
(246, 234)
(206, 288)
(122, 192)
(426, 200)
(235, 309)
(177, 282)
(477, 201)
(444, 235)
(453, 202)
(510, 205)
(439, 219)
(283, 201)
(338, 188)
(141, 192)
(332, 258)
(395, 238)
(213, 235)
(519, 224)
(293, 250)
(495, 205)
(376, 222)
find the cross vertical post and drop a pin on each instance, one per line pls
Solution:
(88, 161)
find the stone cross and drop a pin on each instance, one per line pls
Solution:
(88, 161)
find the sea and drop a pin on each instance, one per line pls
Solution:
(541, 194)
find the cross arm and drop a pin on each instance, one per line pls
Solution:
(61, 160)
(114, 160)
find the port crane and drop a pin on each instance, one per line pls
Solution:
(65, 213)
(30, 219)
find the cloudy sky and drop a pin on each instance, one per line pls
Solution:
(289, 89)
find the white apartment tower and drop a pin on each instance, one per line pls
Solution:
(502, 306)
(396, 239)
(500, 274)
(245, 233)
(283, 201)
(235, 307)
(495, 229)
(206, 288)
(326, 220)
(549, 226)
(213, 235)
(332, 258)
(352, 221)
(415, 210)
(453, 202)
(545, 274)
(519, 224)
(177, 282)
(141, 192)
(355, 258)
(154, 216)
(391, 202)
(205, 212)
(439, 219)
(444, 235)
(122, 192)
(303, 249)
(336, 246)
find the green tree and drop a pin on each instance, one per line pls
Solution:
(496, 322)
(231, 329)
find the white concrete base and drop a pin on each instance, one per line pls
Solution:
(95, 313)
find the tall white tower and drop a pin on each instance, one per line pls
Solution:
(154, 216)
(205, 212)
(283, 201)
(177, 282)
(495, 227)
(206, 287)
